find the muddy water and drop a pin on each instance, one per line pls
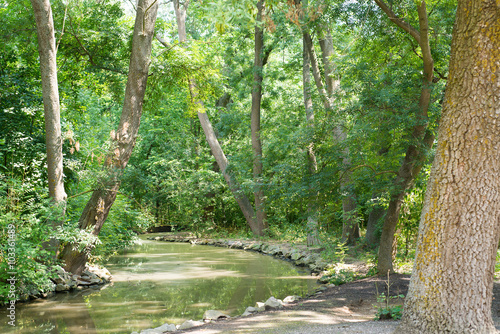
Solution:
(158, 282)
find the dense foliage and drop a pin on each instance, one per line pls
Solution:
(172, 178)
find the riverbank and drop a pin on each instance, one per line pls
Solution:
(360, 306)
(348, 308)
(345, 309)
(299, 254)
(62, 281)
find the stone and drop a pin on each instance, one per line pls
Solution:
(62, 287)
(296, 255)
(214, 315)
(95, 281)
(256, 246)
(82, 282)
(96, 272)
(166, 328)
(72, 283)
(273, 304)
(291, 299)
(250, 310)
(61, 276)
(273, 250)
(190, 324)
(260, 306)
(305, 260)
(287, 253)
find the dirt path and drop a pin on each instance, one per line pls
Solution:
(348, 309)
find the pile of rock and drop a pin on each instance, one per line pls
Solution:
(63, 281)
(212, 315)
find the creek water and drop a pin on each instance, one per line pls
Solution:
(160, 282)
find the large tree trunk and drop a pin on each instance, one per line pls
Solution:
(422, 140)
(312, 209)
(51, 107)
(452, 279)
(97, 208)
(255, 119)
(350, 226)
(242, 200)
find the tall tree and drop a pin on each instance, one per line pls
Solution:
(422, 139)
(53, 138)
(243, 201)
(350, 226)
(123, 140)
(312, 207)
(452, 279)
(259, 61)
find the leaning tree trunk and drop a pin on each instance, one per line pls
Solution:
(422, 139)
(242, 200)
(51, 107)
(260, 212)
(452, 280)
(312, 208)
(97, 208)
(350, 227)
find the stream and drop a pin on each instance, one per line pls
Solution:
(160, 282)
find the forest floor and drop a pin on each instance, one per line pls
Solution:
(348, 308)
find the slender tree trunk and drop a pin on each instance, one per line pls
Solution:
(350, 227)
(242, 200)
(312, 209)
(180, 16)
(97, 208)
(326, 45)
(452, 280)
(372, 239)
(255, 119)
(416, 153)
(51, 107)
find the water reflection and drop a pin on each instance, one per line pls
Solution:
(155, 283)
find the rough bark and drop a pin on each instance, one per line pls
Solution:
(422, 140)
(97, 208)
(451, 285)
(51, 107)
(312, 210)
(242, 200)
(260, 213)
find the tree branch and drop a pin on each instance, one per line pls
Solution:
(399, 21)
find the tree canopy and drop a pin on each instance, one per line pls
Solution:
(326, 113)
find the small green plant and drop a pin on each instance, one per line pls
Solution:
(386, 311)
